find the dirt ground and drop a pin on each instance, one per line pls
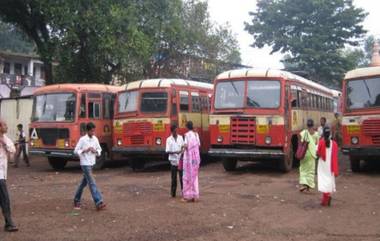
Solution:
(255, 202)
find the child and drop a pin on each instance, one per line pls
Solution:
(174, 146)
(87, 149)
(21, 146)
(327, 166)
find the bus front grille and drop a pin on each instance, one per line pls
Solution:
(137, 140)
(49, 136)
(243, 130)
(371, 127)
(138, 128)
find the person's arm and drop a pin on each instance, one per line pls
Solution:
(168, 148)
(8, 145)
(98, 148)
(78, 148)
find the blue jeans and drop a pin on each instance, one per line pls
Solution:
(88, 179)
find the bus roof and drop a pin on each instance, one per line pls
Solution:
(363, 72)
(270, 73)
(152, 83)
(77, 88)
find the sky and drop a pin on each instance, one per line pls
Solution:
(235, 13)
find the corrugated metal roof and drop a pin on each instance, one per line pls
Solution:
(153, 83)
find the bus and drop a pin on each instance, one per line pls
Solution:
(257, 114)
(145, 109)
(59, 117)
(361, 115)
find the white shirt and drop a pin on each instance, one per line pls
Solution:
(87, 158)
(5, 151)
(173, 145)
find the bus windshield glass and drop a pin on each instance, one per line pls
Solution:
(127, 101)
(363, 93)
(263, 94)
(229, 94)
(54, 107)
(154, 102)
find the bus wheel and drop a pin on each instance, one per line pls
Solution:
(286, 163)
(229, 164)
(101, 161)
(57, 163)
(137, 164)
(355, 164)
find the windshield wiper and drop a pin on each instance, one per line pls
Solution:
(366, 86)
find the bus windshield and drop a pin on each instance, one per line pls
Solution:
(54, 107)
(128, 101)
(154, 102)
(229, 94)
(363, 93)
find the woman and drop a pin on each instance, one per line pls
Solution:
(191, 161)
(307, 164)
(327, 166)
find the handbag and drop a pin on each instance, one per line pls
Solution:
(302, 148)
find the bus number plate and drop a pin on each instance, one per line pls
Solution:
(353, 129)
(224, 128)
(262, 129)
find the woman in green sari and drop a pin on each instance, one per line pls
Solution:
(307, 164)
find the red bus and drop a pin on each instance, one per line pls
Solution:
(59, 118)
(257, 114)
(361, 115)
(146, 109)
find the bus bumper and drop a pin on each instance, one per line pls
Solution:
(53, 153)
(139, 151)
(246, 153)
(362, 151)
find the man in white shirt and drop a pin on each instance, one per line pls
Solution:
(7, 149)
(88, 148)
(320, 128)
(174, 148)
(21, 144)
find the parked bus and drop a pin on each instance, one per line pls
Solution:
(59, 118)
(361, 115)
(257, 114)
(146, 109)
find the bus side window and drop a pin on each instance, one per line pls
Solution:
(174, 109)
(195, 102)
(184, 101)
(93, 110)
(107, 106)
(295, 99)
(82, 106)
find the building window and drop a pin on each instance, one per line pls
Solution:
(7, 68)
(18, 69)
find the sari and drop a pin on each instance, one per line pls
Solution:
(307, 164)
(191, 162)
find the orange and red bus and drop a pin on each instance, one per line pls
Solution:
(361, 115)
(59, 118)
(257, 114)
(146, 109)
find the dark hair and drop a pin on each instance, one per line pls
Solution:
(326, 135)
(323, 118)
(90, 126)
(173, 127)
(19, 126)
(310, 123)
(189, 125)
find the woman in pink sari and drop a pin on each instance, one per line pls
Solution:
(191, 162)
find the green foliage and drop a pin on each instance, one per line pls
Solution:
(13, 40)
(312, 33)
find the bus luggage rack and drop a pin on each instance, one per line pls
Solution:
(243, 130)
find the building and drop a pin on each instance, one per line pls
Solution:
(20, 74)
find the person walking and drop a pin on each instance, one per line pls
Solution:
(191, 162)
(7, 150)
(21, 146)
(320, 128)
(307, 164)
(327, 166)
(174, 148)
(87, 149)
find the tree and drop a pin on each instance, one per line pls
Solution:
(312, 33)
(13, 40)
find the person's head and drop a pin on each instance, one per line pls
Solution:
(323, 121)
(173, 129)
(310, 123)
(189, 125)
(3, 127)
(90, 127)
(326, 135)
(336, 115)
(19, 127)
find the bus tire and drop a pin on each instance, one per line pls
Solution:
(101, 161)
(286, 163)
(229, 164)
(355, 164)
(57, 163)
(137, 164)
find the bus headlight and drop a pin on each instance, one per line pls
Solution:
(354, 140)
(219, 139)
(158, 141)
(67, 143)
(119, 142)
(268, 140)
(32, 143)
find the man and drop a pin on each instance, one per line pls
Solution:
(87, 149)
(7, 149)
(337, 129)
(174, 147)
(21, 144)
(320, 128)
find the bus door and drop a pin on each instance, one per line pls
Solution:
(174, 108)
(94, 108)
(183, 113)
